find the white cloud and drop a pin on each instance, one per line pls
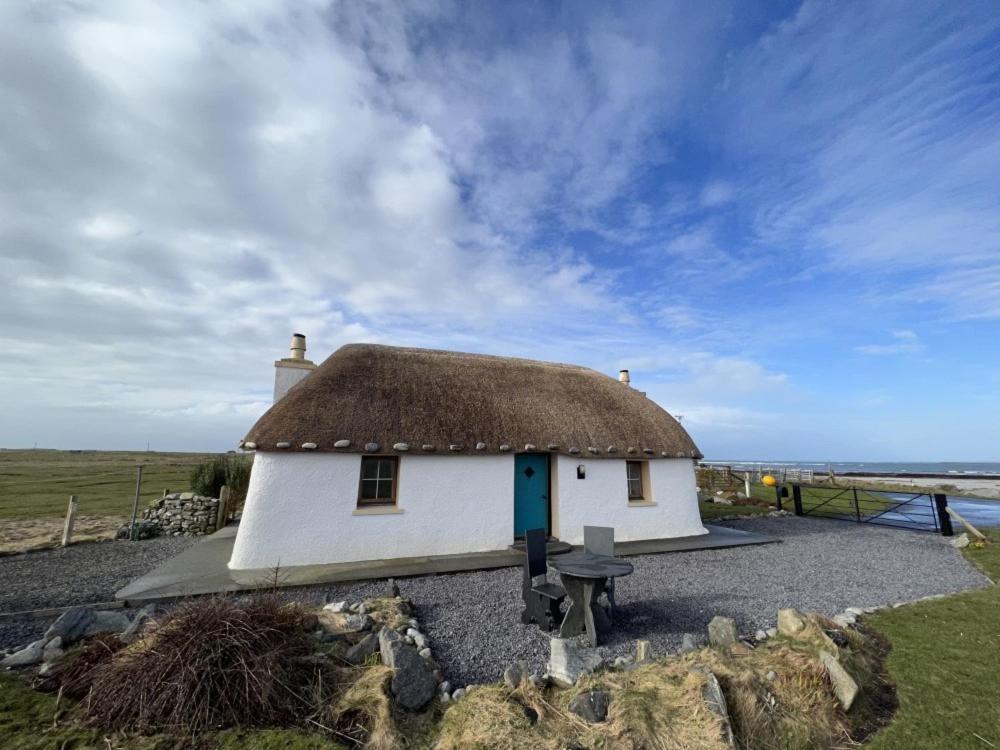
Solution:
(905, 342)
(717, 193)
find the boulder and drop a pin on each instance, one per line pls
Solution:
(341, 623)
(360, 651)
(715, 699)
(591, 706)
(71, 625)
(26, 657)
(722, 631)
(515, 674)
(568, 660)
(107, 621)
(844, 686)
(336, 607)
(961, 541)
(413, 683)
(791, 622)
(53, 650)
(689, 643)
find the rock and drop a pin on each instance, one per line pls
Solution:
(856, 611)
(771, 676)
(107, 622)
(623, 661)
(342, 444)
(761, 635)
(445, 698)
(722, 631)
(52, 650)
(336, 607)
(392, 588)
(515, 674)
(342, 623)
(844, 686)
(425, 653)
(71, 625)
(591, 706)
(568, 660)
(26, 657)
(413, 683)
(845, 619)
(360, 651)
(723, 501)
(642, 651)
(458, 694)
(371, 447)
(771, 632)
(420, 640)
(961, 541)
(715, 699)
(791, 622)
(689, 643)
(363, 608)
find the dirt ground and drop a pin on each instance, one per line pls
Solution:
(27, 534)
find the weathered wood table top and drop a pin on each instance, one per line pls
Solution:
(581, 564)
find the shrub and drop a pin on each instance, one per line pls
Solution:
(231, 471)
(214, 662)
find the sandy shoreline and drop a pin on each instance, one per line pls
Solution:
(989, 488)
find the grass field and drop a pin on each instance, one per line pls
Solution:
(38, 483)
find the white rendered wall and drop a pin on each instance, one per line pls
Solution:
(300, 510)
(602, 500)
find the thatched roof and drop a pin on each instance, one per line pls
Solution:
(387, 399)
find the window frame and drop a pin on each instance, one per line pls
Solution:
(382, 502)
(641, 479)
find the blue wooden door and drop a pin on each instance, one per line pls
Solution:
(531, 492)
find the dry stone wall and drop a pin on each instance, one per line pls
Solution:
(183, 514)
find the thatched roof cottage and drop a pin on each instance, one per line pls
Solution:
(388, 452)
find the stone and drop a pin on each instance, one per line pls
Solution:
(445, 687)
(336, 607)
(445, 698)
(642, 651)
(961, 541)
(425, 653)
(761, 635)
(612, 449)
(458, 694)
(591, 706)
(622, 661)
(515, 674)
(845, 619)
(791, 622)
(456, 447)
(504, 448)
(771, 675)
(344, 622)
(420, 640)
(371, 447)
(722, 631)
(568, 661)
(392, 588)
(135, 628)
(107, 621)
(71, 625)
(283, 444)
(401, 447)
(360, 651)
(772, 632)
(413, 683)
(52, 650)
(553, 446)
(480, 446)
(26, 657)
(342, 444)
(186, 496)
(309, 446)
(688, 643)
(715, 699)
(844, 686)
(363, 608)
(574, 450)
(591, 449)
(428, 447)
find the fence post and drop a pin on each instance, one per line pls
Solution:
(223, 509)
(135, 503)
(70, 520)
(944, 520)
(777, 495)
(746, 483)
(857, 510)
(797, 499)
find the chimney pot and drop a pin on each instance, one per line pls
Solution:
(298, 346)
(623, 377)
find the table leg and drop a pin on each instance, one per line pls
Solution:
(601, 619)
(588, 612)
(573, 621)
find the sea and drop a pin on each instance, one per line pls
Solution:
(955, 468)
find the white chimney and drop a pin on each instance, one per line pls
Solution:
(289, 371)
(623, 377)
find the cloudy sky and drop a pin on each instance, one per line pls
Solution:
(784, 218)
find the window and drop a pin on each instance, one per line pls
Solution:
(378, 480)
(634, 473)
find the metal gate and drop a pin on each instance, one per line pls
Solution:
(913, 511)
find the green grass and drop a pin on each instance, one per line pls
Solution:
(36, 483)
(26, 723)
(715, 510)
(945, 661)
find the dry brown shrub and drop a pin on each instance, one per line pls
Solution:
(74, 672)
(362, 714)
(214, 662)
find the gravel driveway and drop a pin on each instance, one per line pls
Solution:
(473, 619)
(78, 574)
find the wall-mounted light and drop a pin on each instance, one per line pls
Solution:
(581, 472)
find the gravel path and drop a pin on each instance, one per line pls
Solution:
(79, 574)
(473, 619)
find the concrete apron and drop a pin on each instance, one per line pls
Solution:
(203, 568)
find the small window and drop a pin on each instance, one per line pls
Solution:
(633, 471)
(378, 480)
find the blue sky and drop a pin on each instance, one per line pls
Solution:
(783, 218)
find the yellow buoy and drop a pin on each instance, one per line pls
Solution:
(768, 480)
